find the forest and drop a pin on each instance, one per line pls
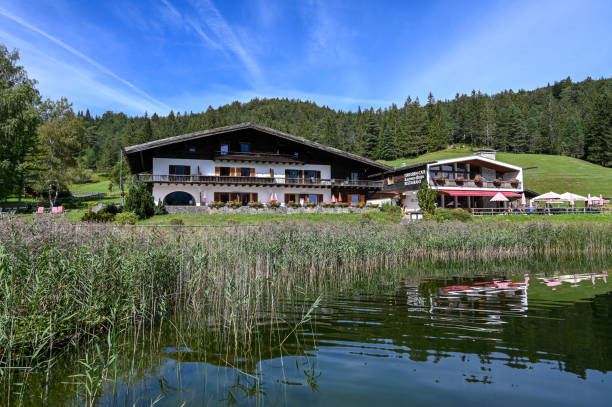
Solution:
(45, 145)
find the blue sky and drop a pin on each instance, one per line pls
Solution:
(137, 56)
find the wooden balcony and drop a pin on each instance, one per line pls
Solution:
(474, 185)
(259, 181)
(256, 157)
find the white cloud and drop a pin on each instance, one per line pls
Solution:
(84, 57)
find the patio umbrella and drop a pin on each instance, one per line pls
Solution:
(204, 197)
(499, 197)
(549, 196)
(339, 197)
(568, 196)
(571, 200)
(589, 199)
(333, 198)
(601, 202)
(523, 201)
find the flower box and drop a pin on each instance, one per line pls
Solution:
(478, 179)
(497, 182)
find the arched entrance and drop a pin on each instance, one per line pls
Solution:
(179, 198)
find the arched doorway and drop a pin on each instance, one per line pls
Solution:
(179, 198)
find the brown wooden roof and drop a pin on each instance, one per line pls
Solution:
(242, 126)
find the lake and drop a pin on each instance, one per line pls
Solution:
(515, 334)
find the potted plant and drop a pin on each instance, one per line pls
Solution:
(460, 179)
(256, 205)
(478, 179)
(273, 204)
(294, 204)
(234, 204)
(440, 179)
(216, 204)
(359, 205)
(514, 182)
(311, 204)
(328, 204)
(497, 182)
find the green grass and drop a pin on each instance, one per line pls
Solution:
(560, 219)
(98, 186)
(553, 173)
(238, 218)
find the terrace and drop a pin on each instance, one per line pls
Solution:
(264, 181)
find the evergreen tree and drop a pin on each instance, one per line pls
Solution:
(372, 131)
(387, 150)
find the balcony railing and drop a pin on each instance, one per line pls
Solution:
(220, 179)
(253, 156)
(473, 184)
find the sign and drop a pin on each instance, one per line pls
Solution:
(414, 178)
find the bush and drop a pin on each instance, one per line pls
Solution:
(140, 201)
(294, 204)
(427, 198)
(126, 218)
(328, 204)
(234, 204)
(216, 204)
(442, 215)
(343, 204)
(100, 217)
(257, 205)
(359, 205)
(177, 221)
(311, 204)
(160, 209)
(273, 204)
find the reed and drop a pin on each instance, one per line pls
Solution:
(63, 282)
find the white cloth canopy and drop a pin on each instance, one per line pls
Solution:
(568, 196)
(549, 196)
(499, 197)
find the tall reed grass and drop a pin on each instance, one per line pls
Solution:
(62, 283)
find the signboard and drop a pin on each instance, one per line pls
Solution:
(415, 178)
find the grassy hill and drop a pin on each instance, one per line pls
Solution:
(553, 173)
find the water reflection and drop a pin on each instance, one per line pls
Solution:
(503, 338)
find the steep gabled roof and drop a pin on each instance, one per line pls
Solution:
(249, 125)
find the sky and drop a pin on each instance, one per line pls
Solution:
(185, 55)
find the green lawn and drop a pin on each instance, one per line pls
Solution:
(553, 173)
(567, 218)
(98, 186)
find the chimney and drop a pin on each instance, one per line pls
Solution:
(486, 153)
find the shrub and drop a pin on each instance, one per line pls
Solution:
(256, 205)
(273, 204)
(294, 204)
(328, 204)
(216, 204)
(442, 215)
(177, 221)
(343, 204)
(426, 198)
(366, 217)
(99, 217)
(311, 204)
(160, 209)
(140, 201)
(359, 205)
(126, 218)
(234, 204)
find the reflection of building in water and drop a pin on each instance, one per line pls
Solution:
(574, 279)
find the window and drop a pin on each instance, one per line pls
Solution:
(224, 171)
(296, 155)
(192, 149)
(179, 170)
(224, 197)
(224, 149)
(245, 172)
(354, 176)
(292, 173)
(354, 199)
(313, 198)
(245, 147)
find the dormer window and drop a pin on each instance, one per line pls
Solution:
(224, 149)
(245, 147)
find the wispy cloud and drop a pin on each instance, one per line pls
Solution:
(83, 57)
(225, 37)
(83, 88)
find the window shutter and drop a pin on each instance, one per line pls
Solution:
(252, 172)
(217, 194)
(217, 173)
(254, 197)
(232, 171)
(319, 198)
(287, 198)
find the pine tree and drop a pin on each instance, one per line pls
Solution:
(372, 132)
(387, 151)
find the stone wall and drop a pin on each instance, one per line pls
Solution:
(283, 210)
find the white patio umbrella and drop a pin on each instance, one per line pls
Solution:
(523, 200)
(601, 200)
(499, 197)
(549, 196)
(589, 199)
(569, 196)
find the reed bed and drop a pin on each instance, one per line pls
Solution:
(62, 282)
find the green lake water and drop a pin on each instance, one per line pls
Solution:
(502, 338)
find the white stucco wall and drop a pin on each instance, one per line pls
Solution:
(207, 167)
(160, 190)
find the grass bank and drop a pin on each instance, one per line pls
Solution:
(63, 282)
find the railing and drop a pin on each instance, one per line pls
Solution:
(474, 184)
(253, 156)
(536, 211)
(221, 179)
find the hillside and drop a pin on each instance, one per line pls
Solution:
(553, 172)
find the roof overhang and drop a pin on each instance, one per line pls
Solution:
(477, 158)
(480, 193)
(244, 126)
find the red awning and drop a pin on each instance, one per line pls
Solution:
(480, 193)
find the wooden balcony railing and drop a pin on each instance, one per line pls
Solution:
(474, 184)
(218, 179)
